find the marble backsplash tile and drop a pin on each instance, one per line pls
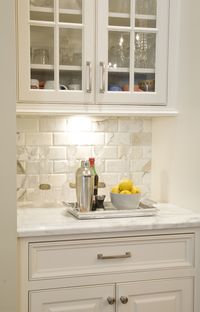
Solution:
(50, 150)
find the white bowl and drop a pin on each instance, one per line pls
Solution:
(125, 201)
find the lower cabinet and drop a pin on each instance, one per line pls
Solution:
(75, 299)
(174, 295)
(150, 272)
(147, 296)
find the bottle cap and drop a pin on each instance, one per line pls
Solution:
(92, 161)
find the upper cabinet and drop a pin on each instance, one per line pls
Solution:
(92, 55)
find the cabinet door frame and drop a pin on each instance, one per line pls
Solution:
(25, 94)
(178, 292)
(92, 297)
(140, 98)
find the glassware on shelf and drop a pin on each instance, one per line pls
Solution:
(147, 85)
(70, 46)
(118, 53)
(70, 4)
(145, 48)
(141, 50)
(40, 56)
(120, 6)
(146, 7)
(42, 3)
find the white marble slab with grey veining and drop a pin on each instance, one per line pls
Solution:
(57, 221)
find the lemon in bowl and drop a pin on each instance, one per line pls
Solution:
(125, 195)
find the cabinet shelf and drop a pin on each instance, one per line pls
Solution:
(127, 15)
(144, 70)
(145, 17)
(41, 9)
(118, 70)
(42, 66)
(51, 10)
(70, 11)
(51, 67)
(70, 68)
(127, 70)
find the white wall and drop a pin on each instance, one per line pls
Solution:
(7, 159)
(176, 141)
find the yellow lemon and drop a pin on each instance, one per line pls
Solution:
(135, 190)
(125, 184)
(115, 189)
(125, 192)
(138, 190)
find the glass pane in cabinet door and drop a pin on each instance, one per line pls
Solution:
(118, 81)
(144, 82)
(42, 10)
(70, 80)
(118, 60)
(70, 11)
(145, 50)
(119, 13)
(145, 13)
(118, 49)
(42, 56)
(70, 58)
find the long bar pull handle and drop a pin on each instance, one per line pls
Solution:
(89, 77)
(102, 77)
(102, 257)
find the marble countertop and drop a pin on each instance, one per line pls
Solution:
(57, 221)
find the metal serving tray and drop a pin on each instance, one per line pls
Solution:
(110, 212)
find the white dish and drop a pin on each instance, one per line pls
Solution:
(125, 201)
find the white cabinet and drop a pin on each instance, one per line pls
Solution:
(147, 296)
(140, 273)
(154, 296)
(77, 299)
(89, 55)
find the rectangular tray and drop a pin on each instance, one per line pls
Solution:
(110, 212)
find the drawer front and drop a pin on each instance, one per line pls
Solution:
(85, 257)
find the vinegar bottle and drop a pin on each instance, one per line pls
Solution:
(96, 180)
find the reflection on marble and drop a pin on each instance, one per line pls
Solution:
(56, 221)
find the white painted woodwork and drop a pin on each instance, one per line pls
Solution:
(74, 258)
(77, 299)
(155, 296)
(25, 94)
(157, 97)
(94, 50)
(62, 274)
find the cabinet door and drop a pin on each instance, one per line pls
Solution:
(79, 299)
(56, 54)
(155, 296)
(132, 51)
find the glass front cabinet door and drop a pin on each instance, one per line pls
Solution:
(56, 50)
(93, 51)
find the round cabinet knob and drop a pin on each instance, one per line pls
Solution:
(111, 300)
(123, 299)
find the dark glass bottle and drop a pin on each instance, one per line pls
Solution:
(96, 180)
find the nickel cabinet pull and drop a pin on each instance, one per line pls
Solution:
(123, 299)
(89, 77)
(102, 77)
(126, 255)
(111, 300)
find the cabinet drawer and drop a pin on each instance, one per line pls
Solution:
(61, 259)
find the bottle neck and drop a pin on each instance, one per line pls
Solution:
(94, 169)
